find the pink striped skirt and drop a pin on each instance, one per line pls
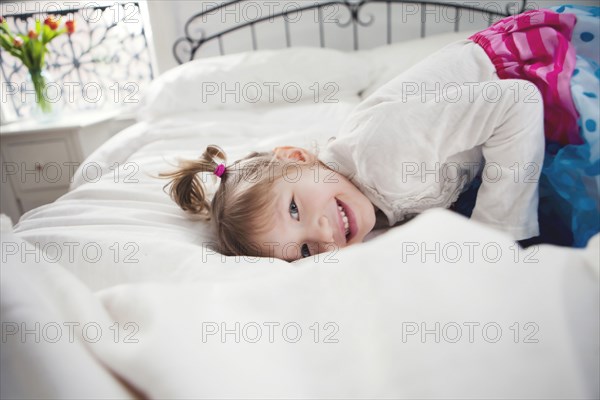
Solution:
(536, 46)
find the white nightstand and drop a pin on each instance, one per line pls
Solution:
(39, 158)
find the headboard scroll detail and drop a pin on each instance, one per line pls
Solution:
(186, 48)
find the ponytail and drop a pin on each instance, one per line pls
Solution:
(242, 205)
(187, 189)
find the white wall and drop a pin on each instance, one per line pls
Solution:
(168, 18)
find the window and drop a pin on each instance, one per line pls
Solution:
(104, 64)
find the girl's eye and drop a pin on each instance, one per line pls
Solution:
(305, 251)
(294, 210)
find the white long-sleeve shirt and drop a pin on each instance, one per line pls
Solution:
(419, 140)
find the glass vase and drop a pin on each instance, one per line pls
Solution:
(38, 78)
(46, 105)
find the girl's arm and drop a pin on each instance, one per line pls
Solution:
(513, 153)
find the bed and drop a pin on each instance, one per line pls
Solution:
(113, 292)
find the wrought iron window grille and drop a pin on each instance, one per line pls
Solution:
(104, 64)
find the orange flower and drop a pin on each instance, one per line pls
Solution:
(1, 19)
(51, 22)
(70, 26)
(18, 42)
(32, 34)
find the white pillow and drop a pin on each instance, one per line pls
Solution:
(388, 61)
(258, 78)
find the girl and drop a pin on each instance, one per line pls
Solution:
(418, 142)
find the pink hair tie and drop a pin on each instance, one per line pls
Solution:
(220, 170)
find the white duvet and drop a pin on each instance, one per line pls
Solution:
(129, 301)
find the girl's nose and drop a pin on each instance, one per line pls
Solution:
(325, 231)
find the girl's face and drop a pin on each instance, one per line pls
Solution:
(316, 210)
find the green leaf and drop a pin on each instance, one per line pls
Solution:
(29, 48)
(45, 31)
(5, 42)
(38, 47)
(39, 50)
(10, 37)
(26, 58)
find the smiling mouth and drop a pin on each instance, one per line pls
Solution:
(345, 221)
(348, 220)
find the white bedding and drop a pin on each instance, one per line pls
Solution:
(154, 278)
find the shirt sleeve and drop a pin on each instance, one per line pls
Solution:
(513, 152)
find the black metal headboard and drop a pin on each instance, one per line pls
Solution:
(185, 48)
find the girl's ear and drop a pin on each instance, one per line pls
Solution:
(294, 153)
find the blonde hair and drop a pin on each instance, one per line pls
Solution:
(242, 204)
